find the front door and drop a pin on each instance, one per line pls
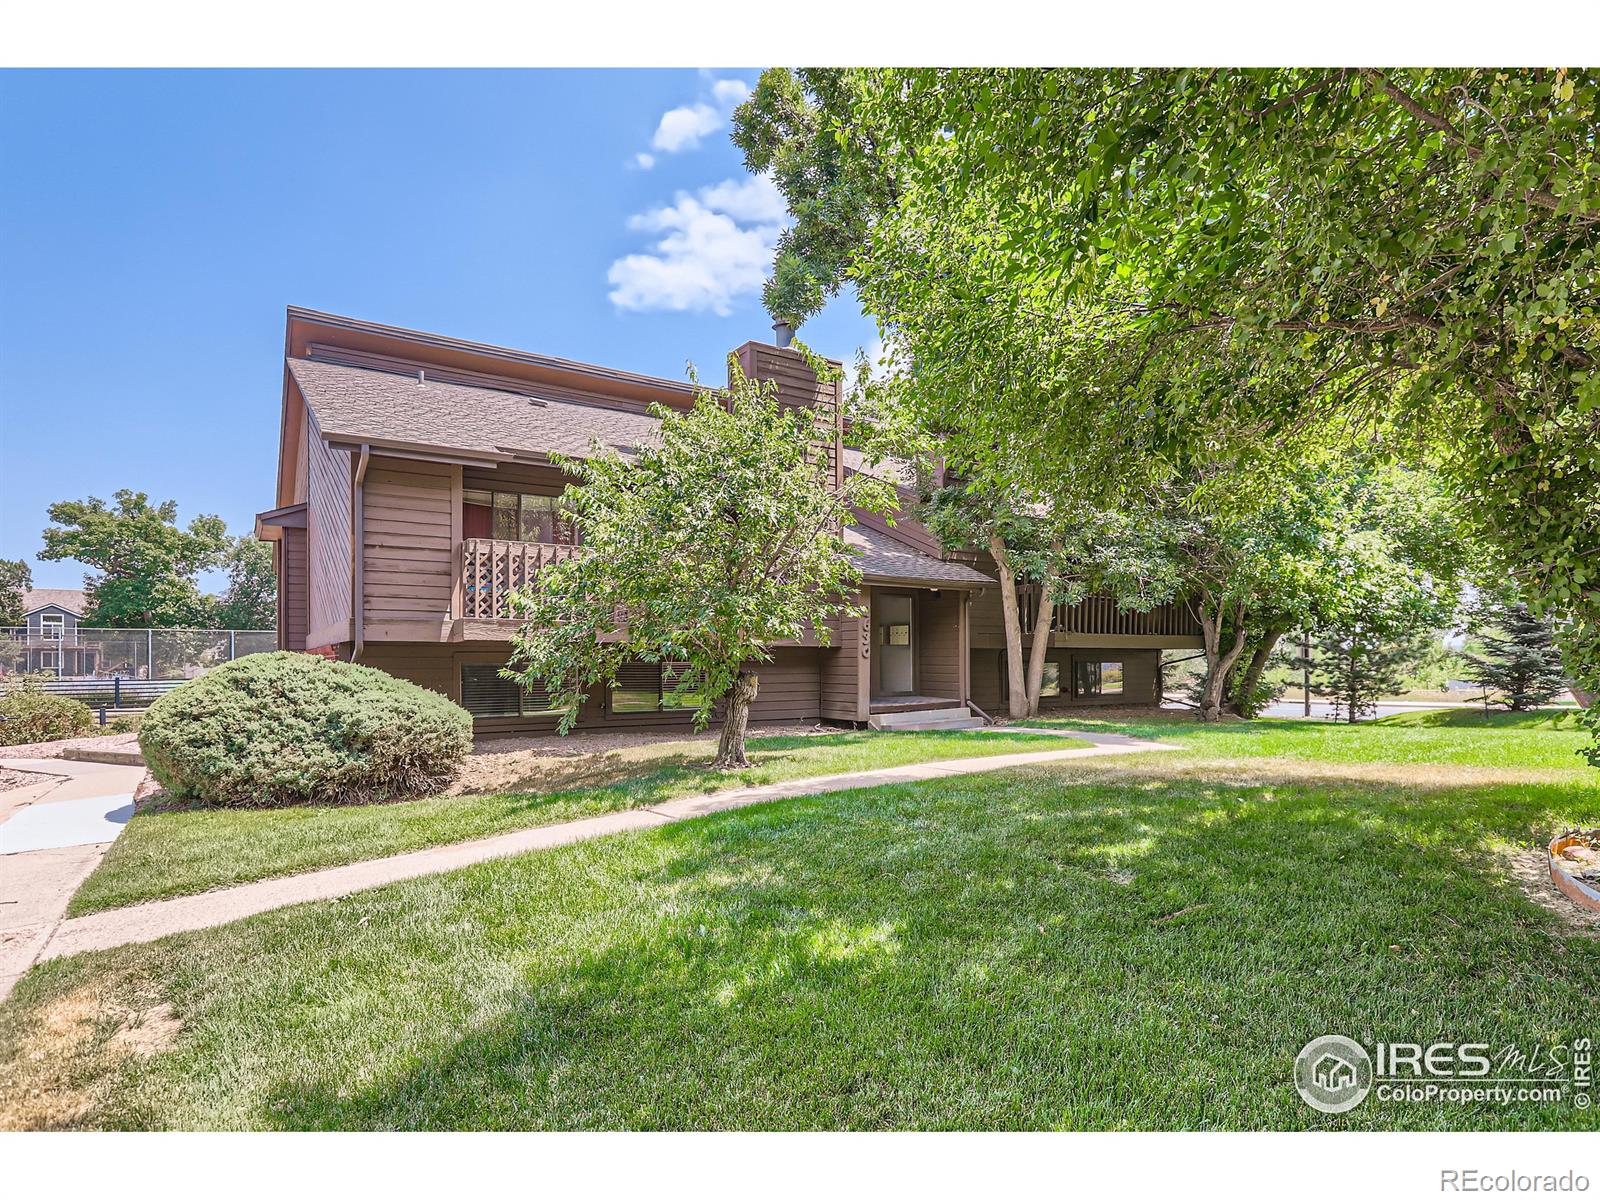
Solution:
(895, 651)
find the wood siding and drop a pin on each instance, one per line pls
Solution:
(788, 692)
(327, 545)
(842, 671)
(798, 387)
(938, 638)
(293, 588)
(409, 537)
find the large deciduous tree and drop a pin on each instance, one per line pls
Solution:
(144, 562)
(16, 577)
(1419, 247)
(701, 551)
(251, 599)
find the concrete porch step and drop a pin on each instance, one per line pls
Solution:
(956, 716)
(118, 757)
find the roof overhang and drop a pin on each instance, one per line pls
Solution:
(271, 524)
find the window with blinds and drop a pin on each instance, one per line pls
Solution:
(485, 694)
(654, 687)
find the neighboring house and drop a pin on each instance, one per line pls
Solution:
(49, 633)
(415, 490)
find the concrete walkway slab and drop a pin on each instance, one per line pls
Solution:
(160, 918)
(53, 824)
(52, 835)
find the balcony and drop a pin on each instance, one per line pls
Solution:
(1099, 615)
(491, 570)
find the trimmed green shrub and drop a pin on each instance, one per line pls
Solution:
(288, 728)
(28, 713)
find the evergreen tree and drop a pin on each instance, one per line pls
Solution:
(1357, 667)
(1518, 656)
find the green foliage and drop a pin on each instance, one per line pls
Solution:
(251, 601)
(286, 728)
(1356, 667)
(146, 562)
(16, 577)
(1104, 265)
(831, 192)
(703, 550)
(28, 713)
(1516, 654)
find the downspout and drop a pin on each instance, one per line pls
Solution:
(358, 540)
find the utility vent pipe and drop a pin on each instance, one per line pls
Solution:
(782, 333)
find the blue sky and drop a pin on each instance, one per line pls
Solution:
(154, 224)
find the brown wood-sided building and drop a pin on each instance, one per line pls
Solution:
(415, 489)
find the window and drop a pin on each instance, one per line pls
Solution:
(516, 517)
(52, 625)
(1099, 678)
(654, 687)
(485, 694)
(1051, 684)
(50, 660)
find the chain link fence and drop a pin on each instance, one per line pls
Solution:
(149, 654)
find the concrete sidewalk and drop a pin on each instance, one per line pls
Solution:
(159, 918)
(52, 834)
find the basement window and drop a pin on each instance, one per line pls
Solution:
(1099, 678)
(654, 687)
(485, 694)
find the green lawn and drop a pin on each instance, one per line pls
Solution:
(194, 850)
(1141, 942)
(1460, 737)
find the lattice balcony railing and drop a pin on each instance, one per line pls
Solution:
(491, 570)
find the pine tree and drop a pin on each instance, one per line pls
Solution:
(1518, 657)
(1355, 669)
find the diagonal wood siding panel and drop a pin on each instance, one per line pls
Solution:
(327, 535)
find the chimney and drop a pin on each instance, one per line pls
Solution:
(798, 386)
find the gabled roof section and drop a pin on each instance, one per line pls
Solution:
(74, 600)
(882, 559)
(310, 333)
(356, 405)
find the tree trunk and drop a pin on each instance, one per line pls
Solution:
(1016, 689)
(730, 747)
(1043, 625)
(1243, 693)
(1218, 661)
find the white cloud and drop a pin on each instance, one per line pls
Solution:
(714, 246)
(754, 199)
(683, 128)
(644, 161)
(730, 93)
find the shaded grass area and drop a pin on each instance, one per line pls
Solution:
(1138, 944)
(180, 852)
(1461, 737)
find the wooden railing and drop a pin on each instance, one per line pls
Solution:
(491, 570)
(1100, 614)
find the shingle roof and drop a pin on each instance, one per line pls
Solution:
(883, 558)
(74, 600)
(357, 404)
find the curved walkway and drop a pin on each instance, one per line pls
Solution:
(158, 918)
(52, 834)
